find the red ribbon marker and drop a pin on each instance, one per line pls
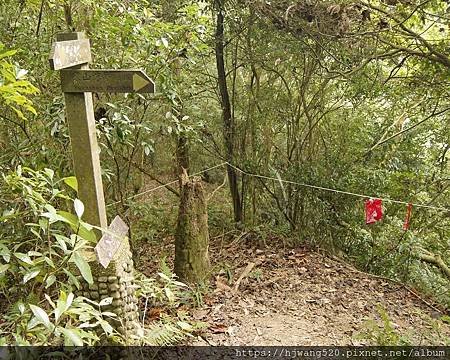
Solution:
(374, 210)
(408, 216)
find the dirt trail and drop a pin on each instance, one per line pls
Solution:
(300, 297)
(304, 298)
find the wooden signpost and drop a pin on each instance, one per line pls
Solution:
(114, 279)
(71, 54)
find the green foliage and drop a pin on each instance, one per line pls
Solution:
(169, 331)
(383, 334)
(14, 89)
(147, 226)
(38, 276)
(165, 292)
(36, 265)
(69, 322)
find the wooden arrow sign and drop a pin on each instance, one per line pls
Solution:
(66, 54)
(112, 81)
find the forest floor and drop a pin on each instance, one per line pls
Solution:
(302, 297)
(268, 294)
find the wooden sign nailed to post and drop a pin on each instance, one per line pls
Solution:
(71, 54)
(111, 241)
(115, 81)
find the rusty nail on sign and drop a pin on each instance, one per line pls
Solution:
(111, 241)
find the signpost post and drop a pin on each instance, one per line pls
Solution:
(71, 54)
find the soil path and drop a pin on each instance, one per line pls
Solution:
(300, 297)
(304, 298)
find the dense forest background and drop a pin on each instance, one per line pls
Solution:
(347, 95)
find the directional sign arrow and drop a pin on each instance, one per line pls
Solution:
(113, 81)
(66, 54)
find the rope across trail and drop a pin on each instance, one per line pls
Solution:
(417, 205)
(165, 185)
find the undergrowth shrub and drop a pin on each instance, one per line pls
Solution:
(41, 250)
(167, 296)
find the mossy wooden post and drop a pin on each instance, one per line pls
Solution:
(192, 235)
(71, 49)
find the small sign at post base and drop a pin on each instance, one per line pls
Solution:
(111, 241)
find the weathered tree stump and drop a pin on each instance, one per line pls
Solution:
(192, 235)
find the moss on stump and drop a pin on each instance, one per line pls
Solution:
(192, 236)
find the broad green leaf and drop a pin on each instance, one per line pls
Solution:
(87, 325)
(30, 275)
(21, 308)
(53, 217)
(62, 304)
(76, 225)
(49, 262)
(87, 226)
(109, 314)
(49, 172)
(24, 258)
(61, 242)
(70, 298)
(83, 266)
(50, 208)
(7, 54)
(72, 182)
(96, 304)
(50, 281)
(4, 268)
(41, 316)
(34, 253)
(107, 328)
(72, 278)
(169, 294)
(79, 207)
(106, 301)
(5, 253)
(71, 337)
(33, 323)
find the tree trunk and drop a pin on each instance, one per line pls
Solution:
(139, 176)
(169, 12)
(182, 153)
(228, 121)
(192, 235)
